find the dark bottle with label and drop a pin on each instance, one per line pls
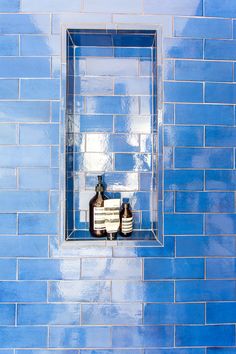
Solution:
(126, 220)
(96, 211)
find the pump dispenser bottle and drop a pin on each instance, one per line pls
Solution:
(96, 211)
(126, 220)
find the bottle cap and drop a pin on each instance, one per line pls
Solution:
(99, 187)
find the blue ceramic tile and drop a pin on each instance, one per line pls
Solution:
(23, 246)
(8, 134)
(183, 48)
(203, 71)
(93, 85)
(168, 113)
(48, 269)
(24, 23)
(183, 180)
(169, 70)
(9, 89)
(183, 136)
(174, 8)
(77, 337)
(183, 92)
(23, 111)
(133, 162)
(217, 9)
(205, 246)
(39, 351)
(145, 181)
(111, 314)
(96, 123)
(174, 314)
(24, 67)
(221, 350)
(208, 202)
(175, 351)
(205, 290)
(221, 224)
(220, 136)
(112, 143)
(92, 162)
(45, 314)
(221, 312)
(112, 104)
(112, 351)
(7, 315)
(132, 86)
(20, 337)
(12, 6)
(9, 45)
(203, 158)
(40, 45)
(115, 181)
(205, 336)
(142, 291)
(203, 28)
(37, 224)
(55, 111)
(111, 268)
(93, 51)
(220, 49)
(183, 224)
(204, 114)
(7, 178)
(38, 178)
(142, 336)
(168, 157)
(221, 268)
(11, 201)
(111, 66)
(39, 134)
(23, 291)
(220, 93)
(82, 291)
(48, 89)
(132, 123)
(169, 202)
(132, 52)
(190, 268)
(7, 269)
(50, 5)
(116, 6)
(221, 180)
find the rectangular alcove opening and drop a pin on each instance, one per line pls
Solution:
(112, 127)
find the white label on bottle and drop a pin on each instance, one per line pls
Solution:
(99, 218)
(126, 225)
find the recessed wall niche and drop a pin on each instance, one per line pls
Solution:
(113, 126)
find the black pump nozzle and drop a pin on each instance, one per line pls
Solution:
(99, 186)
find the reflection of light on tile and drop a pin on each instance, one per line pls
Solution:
(97, 142)
(97, 162)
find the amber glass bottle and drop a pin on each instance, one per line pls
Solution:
(96, 211)
(126, 220)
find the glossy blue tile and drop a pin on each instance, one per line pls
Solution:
(7, 178)
(48, 89)
(7, 269)
(116, 6)
(93, 51)
(183, 180)
(24, 67)
(205, 246)
(187, 70)
(11, 201)
(183, 48)
(208, 202)
(9, 89)
(220, 49)
(132, 123)
(96, 123)
(82, 291)
(8, 133)
(168, 157)
(23, 111)
(49, 351)
(174, 314)
(217, 9)
(48, 269)
(111, 314)
(112, 104)
(12, 6)
(169, 70)
(221, 312)
(221, 180)
(143, 336)
(221, 350)
(39, 134)
(24, 23)
(50, 6)
(133, 162)
(40, 45)
(220, 93)
(112, 143)
(132, 86)
(115, 181)
(177, 8)
(175, 351)
(37, 224)
(38, 178)
(9, 45)
(112, 351)
(203, 28)
(23, 337)
(203, 158)
(205, 290)
(77, 337)
(92, 268)
(45, 314)
(31, 156)
(183, 136)
(23, 246)
(111, 67)
(7, 315)
(23, 291)
(183, 224)
(139, 52)
(221, 224)
(204, 114)
(221, 268)
(93, 85)
(142, 291)
(205, 336)
(183, 92)
(190, 268)
(168, 113)
(220, 136)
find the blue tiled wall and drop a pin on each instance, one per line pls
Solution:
(75, 299)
